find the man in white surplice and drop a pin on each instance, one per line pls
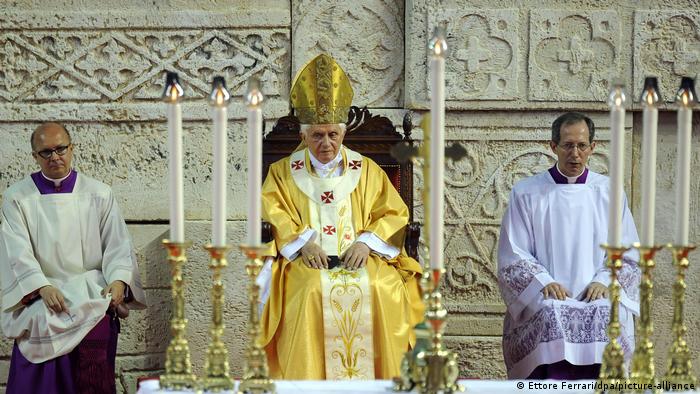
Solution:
(551, 268)
(67, 272)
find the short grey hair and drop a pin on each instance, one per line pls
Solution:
(304, 127)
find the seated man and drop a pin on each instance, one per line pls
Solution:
(66, 270)
(551, 268)
(326, 202)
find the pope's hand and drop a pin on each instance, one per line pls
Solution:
(356, 256)
(313, 256)
(53, 298)
(596, 291)
(117, 289)
(556, 291)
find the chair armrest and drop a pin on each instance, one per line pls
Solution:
(412, 239)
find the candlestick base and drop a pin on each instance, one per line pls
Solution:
(256, 375)
(434, 368)
(216, 366)
(642, 371)
(178, 367)
(612, 372)
(679, 363)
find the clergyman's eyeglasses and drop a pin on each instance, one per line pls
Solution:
(60, 150)
(569, 147)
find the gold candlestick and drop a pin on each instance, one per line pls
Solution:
(178, 368)
(216, 367)
(612, 372)
(679, 364)
(406, 381)
(436, 369)
(642, 371)
(255, 376)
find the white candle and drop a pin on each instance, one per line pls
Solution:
(438, 47)
(685, 98)
(219, 100)
(254, 100)
(650, 119)
(617, 164)
(172, 95)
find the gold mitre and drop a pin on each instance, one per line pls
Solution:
(321, 92)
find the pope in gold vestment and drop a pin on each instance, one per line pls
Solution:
(346, 322)
(293, 330)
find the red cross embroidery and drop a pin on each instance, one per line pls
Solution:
(356, 164)
(327, 197)
(298, 165)
(329, 230)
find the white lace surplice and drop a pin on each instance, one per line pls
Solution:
(552, 233)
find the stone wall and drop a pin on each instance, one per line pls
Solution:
(513, 66)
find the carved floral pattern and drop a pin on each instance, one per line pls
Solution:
(666, 45)
(483, 55)
(573, 54)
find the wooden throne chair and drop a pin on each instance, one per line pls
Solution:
(370, 135)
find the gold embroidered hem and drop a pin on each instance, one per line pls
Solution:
(347, 324)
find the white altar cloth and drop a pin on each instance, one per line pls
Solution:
(384, 387)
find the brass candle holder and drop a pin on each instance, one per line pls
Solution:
(679, 363)
(255, 375)
(642, 371)
(407, 380)
(612, 371)
(178, 367)
(216, 366)
(436, 369)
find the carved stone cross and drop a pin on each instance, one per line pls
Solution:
(473, 54)
(577, 55)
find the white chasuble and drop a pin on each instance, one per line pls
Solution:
(347, 316)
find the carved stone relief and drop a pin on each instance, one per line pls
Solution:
(128, 65)
(573, 54)
(483, 53)
(666, 45)
(365, 37)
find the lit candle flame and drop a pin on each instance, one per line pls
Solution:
(617, 97)
(254, 97)
(219, 96)
(438, 44)
(686, 96)
(173, 91)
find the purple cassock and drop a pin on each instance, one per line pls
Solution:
(89, 368)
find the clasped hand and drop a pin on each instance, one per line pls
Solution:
(354, 258)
